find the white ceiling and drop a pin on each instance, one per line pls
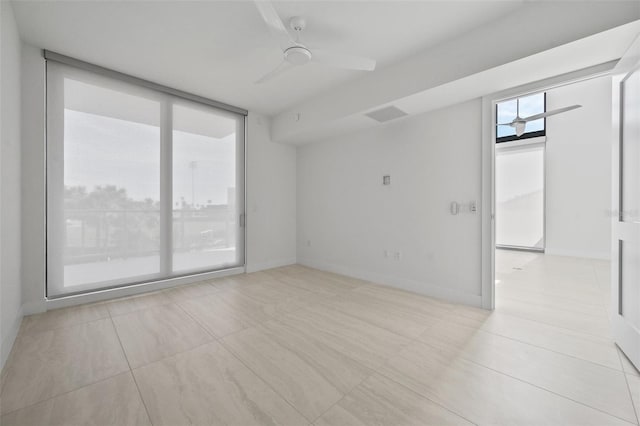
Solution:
(218, 49)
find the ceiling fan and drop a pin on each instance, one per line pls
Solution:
(520, 123)
(297, 54)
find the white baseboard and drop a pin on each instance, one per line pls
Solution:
(113, 293)
(34, 307)
(7, 341)
(606, 255)
(261, 266)
(419, 287)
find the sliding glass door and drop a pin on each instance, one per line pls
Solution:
(141, 185)
(205, 181)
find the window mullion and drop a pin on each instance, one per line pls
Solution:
(166, 187)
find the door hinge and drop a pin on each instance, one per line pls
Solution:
(243, 220)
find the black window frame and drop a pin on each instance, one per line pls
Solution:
(525, 135)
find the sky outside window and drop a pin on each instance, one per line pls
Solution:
(529, 105)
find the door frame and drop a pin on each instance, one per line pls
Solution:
(488, 208)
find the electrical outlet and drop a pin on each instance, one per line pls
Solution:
(397, 255)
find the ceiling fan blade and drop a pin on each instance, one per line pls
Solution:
(505, 124)
(340, 60)
(275, 24)
(549, 113)
(280, 69)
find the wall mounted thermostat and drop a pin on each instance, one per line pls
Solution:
(386, 180)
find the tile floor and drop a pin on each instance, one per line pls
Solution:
(298, 346)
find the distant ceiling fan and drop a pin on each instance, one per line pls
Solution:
(295, 53)
(520, 123)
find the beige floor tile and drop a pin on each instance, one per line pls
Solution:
(549, 288)
(350, 281)
(569, 342)
(190, 291)
(278, 298)
(400, 320)
(465, 320)
(507, 260)
(208, 385)
(470, 315)
(590, 324)
(366, 343)
(261, 277)
(485, 396)
(50, 363)
(406, 300)
(155, 333)
(226, 312)
(567, 303)
(582, 381)
(634, 389)
(558, 277)
(309, 376)
(627, 366)
(113, 401)
(380, 401)
(331, 346)
(603, 273)
(136, 303)
(342, 371)
(312, 283)
(63, 317)
(230, 282)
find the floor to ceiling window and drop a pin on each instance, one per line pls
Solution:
(142, 184)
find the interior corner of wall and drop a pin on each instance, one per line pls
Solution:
(7, 341)
(34, 307)
(261, 266)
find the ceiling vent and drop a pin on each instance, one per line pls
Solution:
(386, 114)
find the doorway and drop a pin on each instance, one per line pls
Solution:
(520, 175)
(552, 188)
(552, 227)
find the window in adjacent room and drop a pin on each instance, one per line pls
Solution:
(525, 106)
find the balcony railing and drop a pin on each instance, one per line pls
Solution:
(105, 234)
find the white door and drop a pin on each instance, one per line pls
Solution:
(625, 264)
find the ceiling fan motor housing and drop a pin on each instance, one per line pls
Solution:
(297, 55)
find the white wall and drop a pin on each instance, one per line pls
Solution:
(271, 198)
(10, 296)
(578, 170)
(33, 178)
(347, 218)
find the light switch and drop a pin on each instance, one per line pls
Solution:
(386, 180)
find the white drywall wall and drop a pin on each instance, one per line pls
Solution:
(347, 219)
(10, 293)
(33, 179)
(578, 170)
(271, 198)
